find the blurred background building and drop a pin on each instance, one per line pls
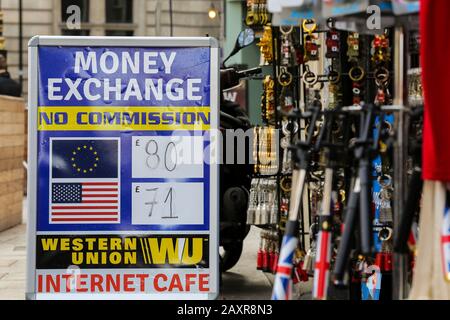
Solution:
(26, 18)
(23, 19)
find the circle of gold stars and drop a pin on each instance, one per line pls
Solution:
(79, 150)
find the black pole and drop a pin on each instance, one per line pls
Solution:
(343, 253)
(20, 47)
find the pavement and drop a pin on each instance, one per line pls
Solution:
(13, 263)
(242, 282)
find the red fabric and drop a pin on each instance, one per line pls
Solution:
(435, 56)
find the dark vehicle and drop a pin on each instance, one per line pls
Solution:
(235, 178)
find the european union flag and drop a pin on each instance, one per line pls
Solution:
(85, 158)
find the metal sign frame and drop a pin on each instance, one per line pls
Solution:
(33, 104)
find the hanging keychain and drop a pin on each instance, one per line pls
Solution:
(256, 133)
(381, 52)
(332, 41)
(299, 50)
(311, 47)
(381, 80)
(264, 209)
(353, 47)
(285, 77)
(265, 264)
(252, 17)
(285, 186)
(386, 194)
(310, 257)
(265, 45)
(272, 218)
(276, 254)
(309, 78)
(267, 152)
(334, 89)
(383, 259)
(286, 45)
(253, 202)
(262, 13)
(268, 100)
(286, 100)
(356, 72)
(381, 56)
(260, 253)
(334, 77)
(288, 129)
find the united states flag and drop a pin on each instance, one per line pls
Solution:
(85, 179)
(85, 202)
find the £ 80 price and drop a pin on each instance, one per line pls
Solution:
(156, 157)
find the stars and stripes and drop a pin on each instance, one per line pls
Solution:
(282, 289)
(85, 202)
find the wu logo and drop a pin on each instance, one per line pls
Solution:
(84, 181)
(174, 251)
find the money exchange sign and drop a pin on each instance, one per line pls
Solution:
(123, 176)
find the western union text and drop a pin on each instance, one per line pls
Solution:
(114, 251)
(123, 118)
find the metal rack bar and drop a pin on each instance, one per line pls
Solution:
(400, 270)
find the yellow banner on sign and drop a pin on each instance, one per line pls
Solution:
(123, 118)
